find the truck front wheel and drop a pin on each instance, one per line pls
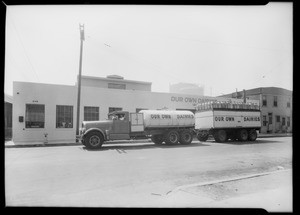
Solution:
(157, 139)
(93, 140)
(172, 137)
(186, 137)
(220, 136)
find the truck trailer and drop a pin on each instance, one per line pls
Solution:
(161, 126)
(226, 120)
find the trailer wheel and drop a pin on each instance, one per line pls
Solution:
(243, 135)
(93, 140)
(220, 136)
(157, 139)
(252, 135)
(172, 137)
(186, 137)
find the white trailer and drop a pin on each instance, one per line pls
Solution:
(225, 120)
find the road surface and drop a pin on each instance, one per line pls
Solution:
(146, 175)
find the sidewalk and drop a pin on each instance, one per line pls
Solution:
(10, 143)
(272, 191)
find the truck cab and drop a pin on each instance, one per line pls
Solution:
(120, 128)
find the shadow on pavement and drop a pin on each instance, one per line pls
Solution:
(258, 141)
(143, 146)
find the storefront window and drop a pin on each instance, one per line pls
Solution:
(91, 113)
(35, 116)
(64, 116)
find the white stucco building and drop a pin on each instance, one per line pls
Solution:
(47, 112)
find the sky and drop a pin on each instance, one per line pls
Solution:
(222, 48)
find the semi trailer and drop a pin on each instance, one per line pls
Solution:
(226, 120)
(161, 126)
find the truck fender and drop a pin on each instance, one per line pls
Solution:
(95, 129)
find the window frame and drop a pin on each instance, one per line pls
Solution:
(264, 101)
(275, 101)
(64, 117)
(26, 116)
(89, 116)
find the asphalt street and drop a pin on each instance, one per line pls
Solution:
(208, 174)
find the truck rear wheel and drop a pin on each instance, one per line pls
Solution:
(186, 137)
(93, 140)
(220, 136)
(252, 135)
(243, 135)
(172, 137)
(157, 139)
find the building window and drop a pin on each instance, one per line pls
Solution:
(117, 86)
(64, 116)
(264, 120)
(264, 100)
(277, 118)
(112, 109)
(139, 109)
(275, 101)
(288, 122)
(283, 121)
(289, 103)
(270, 118)
(91, 113)
(35, 116)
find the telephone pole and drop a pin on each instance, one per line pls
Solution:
(81, 29)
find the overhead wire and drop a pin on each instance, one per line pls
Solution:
(24, 50)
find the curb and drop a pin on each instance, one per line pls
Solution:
(116, 142)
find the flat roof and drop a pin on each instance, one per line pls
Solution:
(115, 80)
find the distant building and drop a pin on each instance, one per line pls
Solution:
(276, 107)
(186, 88)
(8, 105)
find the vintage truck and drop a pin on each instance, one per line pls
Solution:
(227, 120)
(161, 126)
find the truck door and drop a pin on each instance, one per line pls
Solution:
(120, 128)
(137, 122)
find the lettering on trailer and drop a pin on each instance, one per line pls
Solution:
(251, 118)
(185, 116)
(222, 118)
(167, 116)
(163, 116)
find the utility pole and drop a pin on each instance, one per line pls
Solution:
(81, 29)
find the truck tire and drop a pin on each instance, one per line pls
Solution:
(157, 139)
(243, 135)
(172, 137)
(93, 140)
(202, 138)
(186, 137)
(252, 135)
(220, 136)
